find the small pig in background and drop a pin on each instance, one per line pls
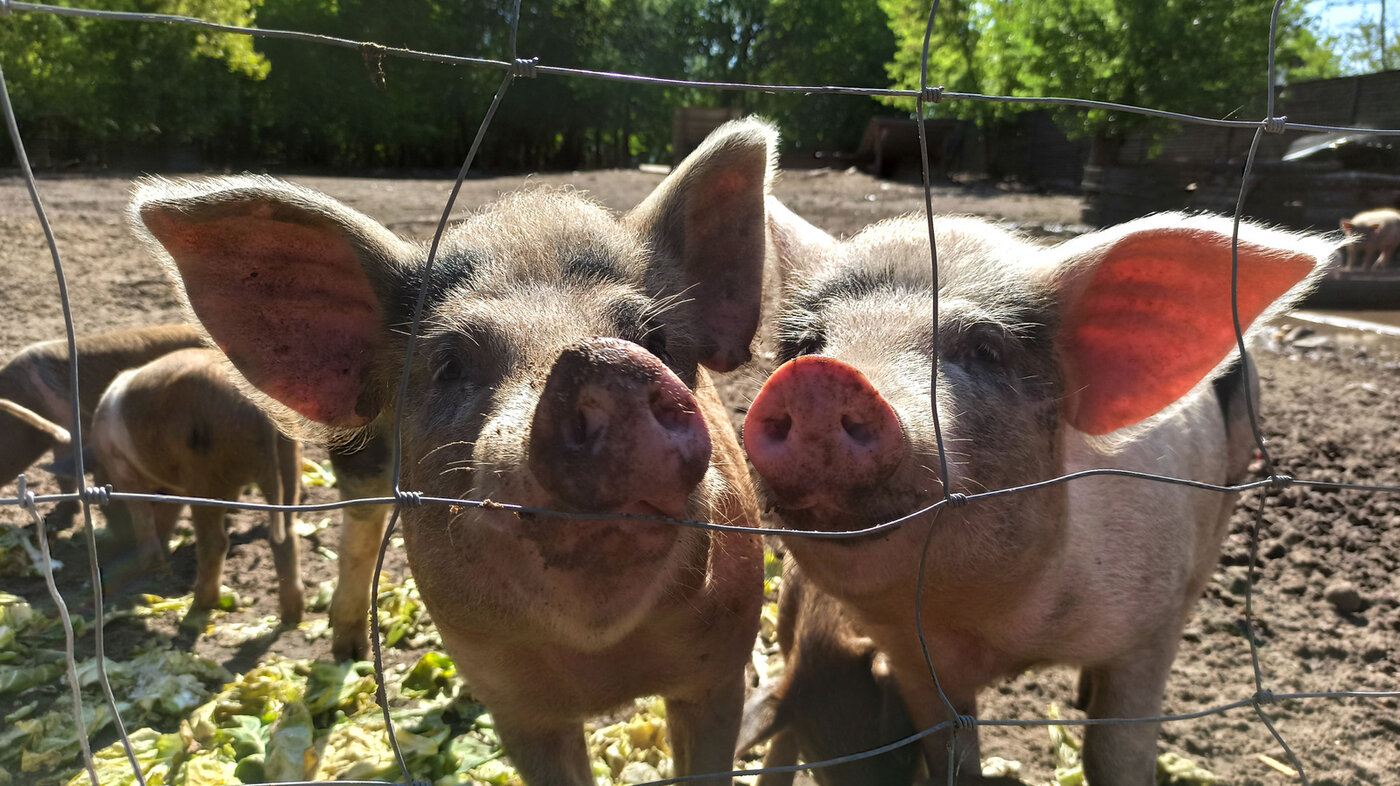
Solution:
(559, 367)
(1372, 237)
(179, 425)
(1091, 354)
(36, 379)
(836, 697)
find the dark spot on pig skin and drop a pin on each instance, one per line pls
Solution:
(199, 439)
(592, 267)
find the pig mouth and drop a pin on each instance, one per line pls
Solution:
(608, 545)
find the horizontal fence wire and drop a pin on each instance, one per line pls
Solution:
(1258, 700)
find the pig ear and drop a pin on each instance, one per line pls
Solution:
(284, 280)
(800, 247)
(1146, 309)
(706, 221)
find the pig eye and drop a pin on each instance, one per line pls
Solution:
(655, 342)
(449, 369)
(985, 353)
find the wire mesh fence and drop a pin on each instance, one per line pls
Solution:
(1259, 697)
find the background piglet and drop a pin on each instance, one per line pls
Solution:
(1374, 235)
(178, 425)
(559, 367)
(1087, 355)
(37, 378)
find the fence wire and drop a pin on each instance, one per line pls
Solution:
(518, 67)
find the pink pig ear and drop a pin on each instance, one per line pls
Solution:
(707, 220)
(283, 279)
(1146, 310)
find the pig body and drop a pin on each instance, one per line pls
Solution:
(1374, 235)
(178, 425)
(836, 696)
(37, 379)
(559, 367)
(1051, 361)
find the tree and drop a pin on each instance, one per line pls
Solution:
(81, 85)
(1202, 57)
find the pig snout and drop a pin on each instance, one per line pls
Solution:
(616, 430)
(819, 429)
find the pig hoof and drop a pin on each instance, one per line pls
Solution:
(353, 647)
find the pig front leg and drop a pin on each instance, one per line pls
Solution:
(1125, 754)
(211, 546)
(546, 755)
(703, 731)
(359, 474)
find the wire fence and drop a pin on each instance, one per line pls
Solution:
(1260, 697)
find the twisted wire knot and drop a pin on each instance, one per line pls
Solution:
(964, 722)
(957, 499)
(97, 495)
(29, 500)
(1280, 482)
(528, 68)
(1275, 125)
(409, 499)
(933, 94)
(1264, 696)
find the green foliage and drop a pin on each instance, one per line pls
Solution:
(76, 82)
(1203, 57)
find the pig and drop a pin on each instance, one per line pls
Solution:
(1373, 236)
(560, 368)
(836, 696)
(1096, 353)
(179, 425)
(37, 378)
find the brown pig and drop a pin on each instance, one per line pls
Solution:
(37, 379)
(836, 696)
(1091, 354)
(559, 367)
(1373, 236)
(178, 425)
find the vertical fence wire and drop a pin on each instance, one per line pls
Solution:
(402, 498)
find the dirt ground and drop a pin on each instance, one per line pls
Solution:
(1330, 414)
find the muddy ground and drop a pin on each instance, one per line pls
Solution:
(1330, 414)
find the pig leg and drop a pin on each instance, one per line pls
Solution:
(282, 486)
(554, 755)
(927, 710)
(150, 546)
(782, 752)
(366, 472)
(1126, 753)
(703, 732)
(211, 546)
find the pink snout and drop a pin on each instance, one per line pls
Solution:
(616, 431)
(819, 430)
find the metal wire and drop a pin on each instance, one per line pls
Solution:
(530, 67)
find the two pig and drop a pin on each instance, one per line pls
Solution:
(560, 367)
(179, 425)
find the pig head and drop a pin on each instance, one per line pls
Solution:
(559, 367)
(1092, 354)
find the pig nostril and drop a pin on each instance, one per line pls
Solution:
(859, 432)
(671, 414)
(776, 429)
(579, 429)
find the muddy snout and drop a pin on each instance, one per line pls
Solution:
(615, 430)
(818, 429)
